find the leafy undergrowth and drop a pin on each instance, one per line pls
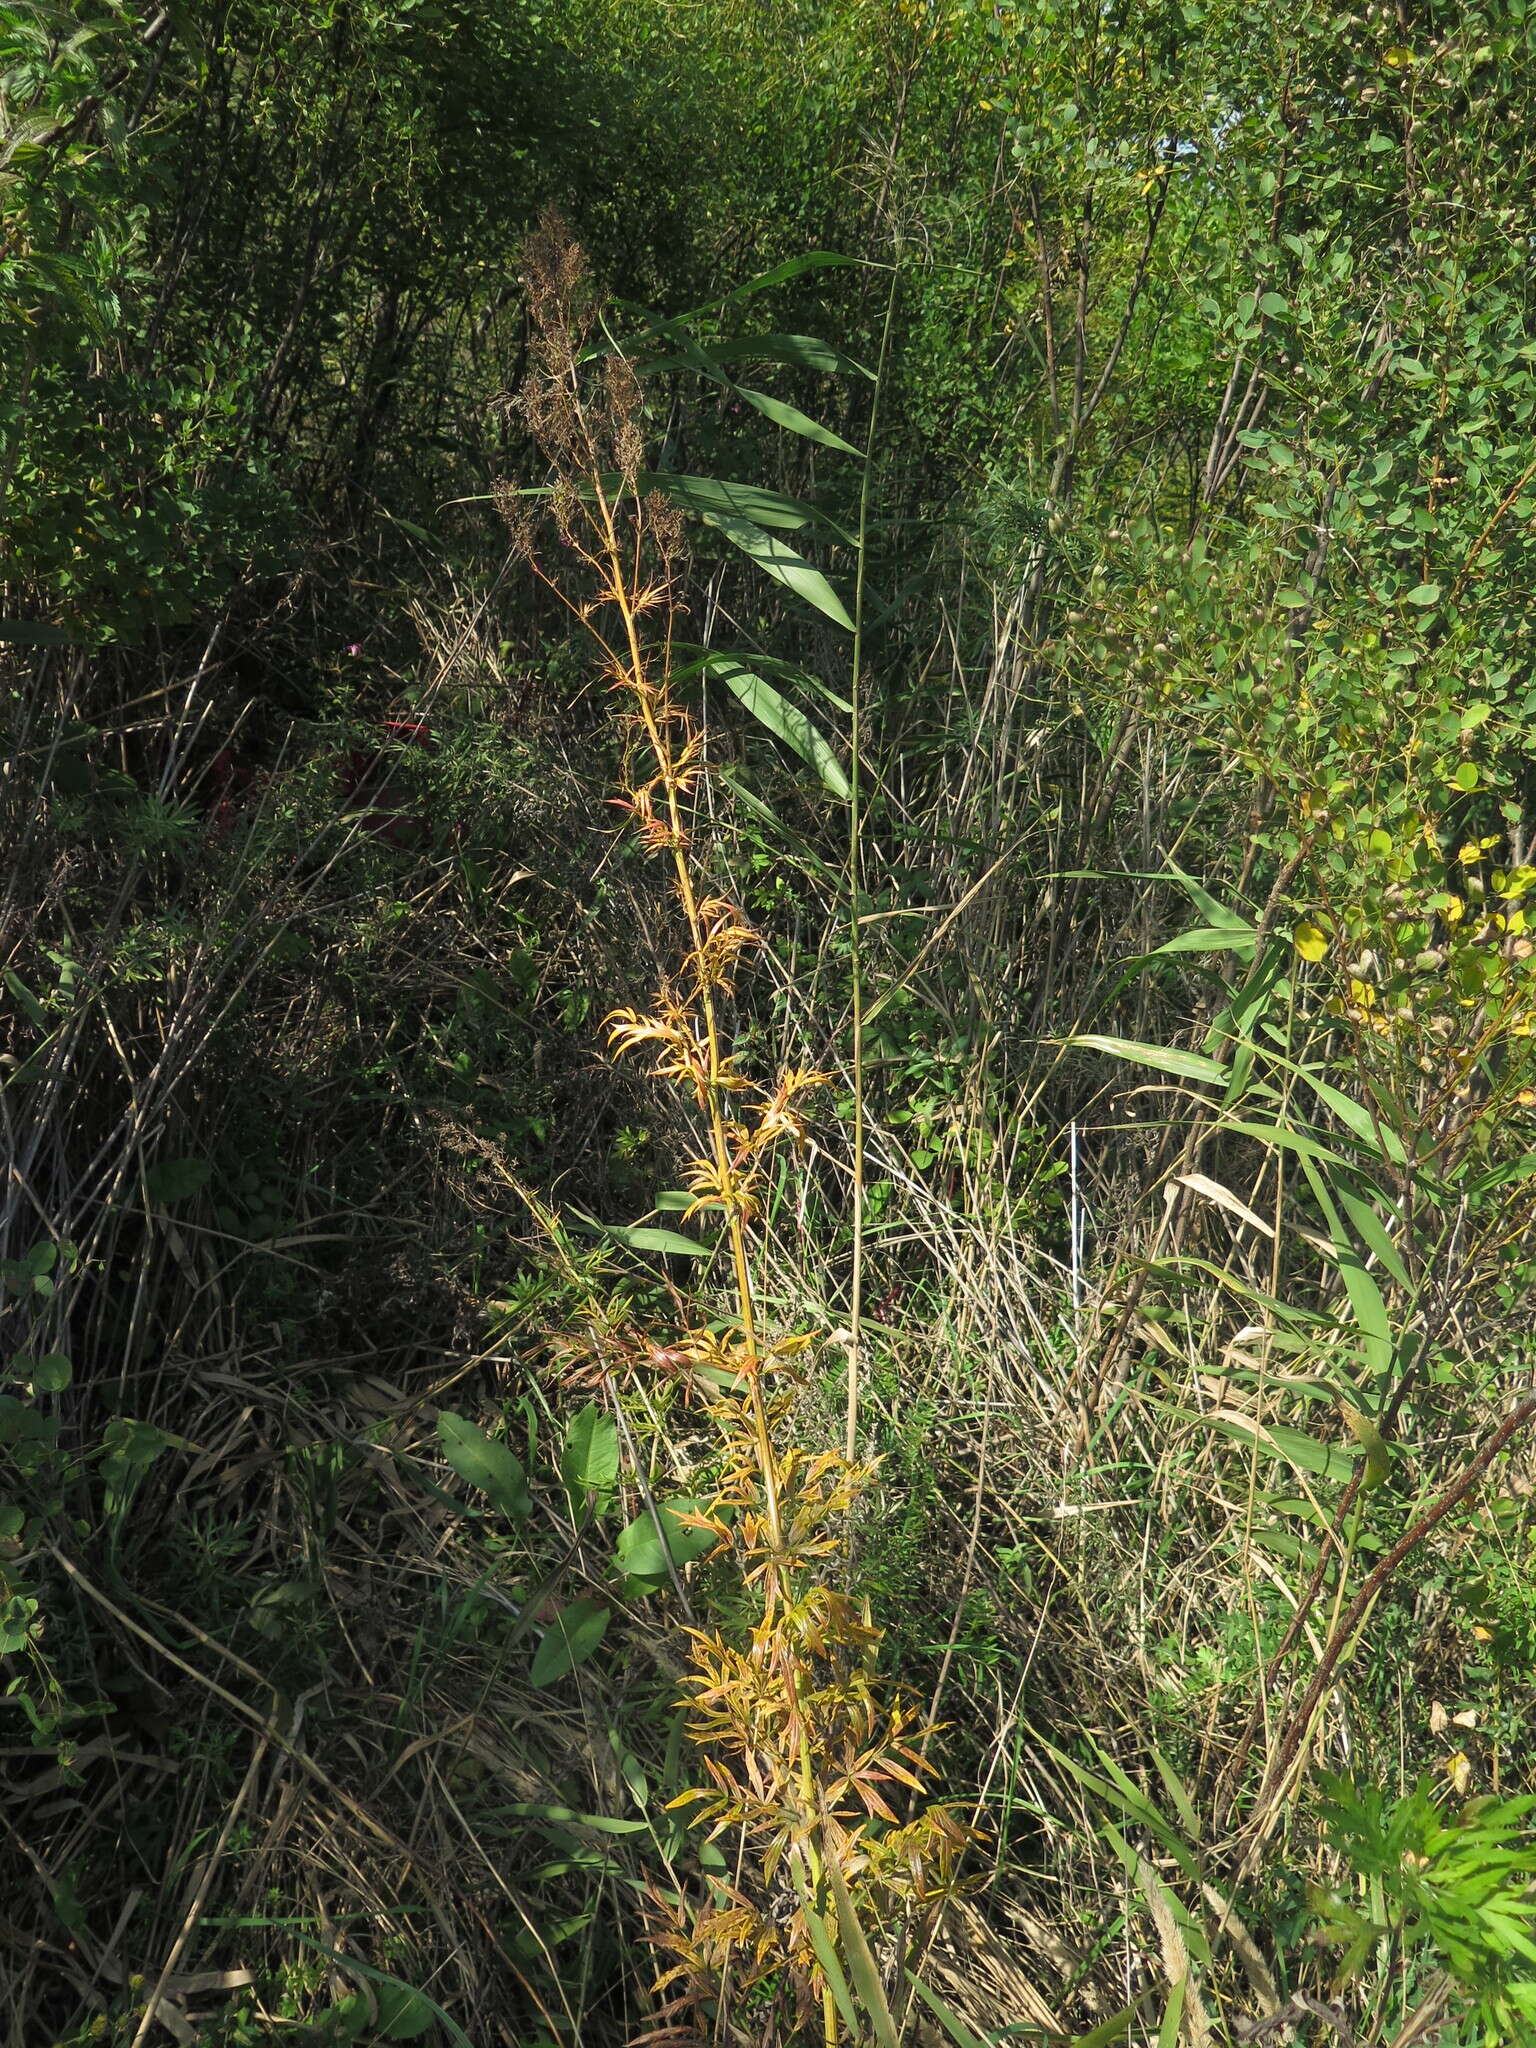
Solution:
(990, 1498)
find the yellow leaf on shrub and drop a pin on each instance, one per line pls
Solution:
(1311, 941)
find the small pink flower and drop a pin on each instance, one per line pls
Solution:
(356, 647)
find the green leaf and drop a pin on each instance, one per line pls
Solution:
(1378, 1452)
(648, 1237)
(1303, 1453)
(794, 421)
(130, 1447)
(34, 633)
(177, 1180)
(1372, 1231)
(1365, 1296)
(639, 1552)
(589, 1461)
(1167, 1059)
(708, 494)
(1424, 593)
(801, 351)
(33, 1010)
(782, 273)
(485, 1463)
(52, 1374)
(1173, 2017)
(826, 1955)
(780, 561)
(1208, 938)
(1300, 1142)
(784, 720)
(570, 1639)
(1113, 2029)
(356, 1967)
(861, 1962)
(950, 2021)
(404, 2013)
(1356, 1119)
(1272, 304)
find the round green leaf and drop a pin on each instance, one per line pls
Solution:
(51, 1375)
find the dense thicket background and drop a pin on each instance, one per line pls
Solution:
(1196, 492)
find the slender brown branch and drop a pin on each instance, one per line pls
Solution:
(1360, 1606)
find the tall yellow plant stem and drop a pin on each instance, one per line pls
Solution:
(640, 690)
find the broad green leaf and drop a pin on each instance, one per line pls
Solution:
(129, 1448)
(589, 1460)
(177, 1180)
(861, 1962)
(1372, 1231)
(1107, 2031)
(794, 421)
(485, 1463)
(1303, 1453)
(707, 494)
(639, 1553)
(563, 1816)
(1365, 1296)
(1167, 1059)
(1424, 594)
(775, 558)
(1118, 1790)
(782, 273)
(784, 720)
(403, 2013)
(650, 1237)
(1300, 1142)
(1356, 1118)
(826, 1955)
(802, 351)
(1178, 1792)
(1208, 938)
(951, 2022)
(33, 1010)
(570, 1639)
(51, 1374)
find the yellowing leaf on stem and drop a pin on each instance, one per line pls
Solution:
(1310, 941)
